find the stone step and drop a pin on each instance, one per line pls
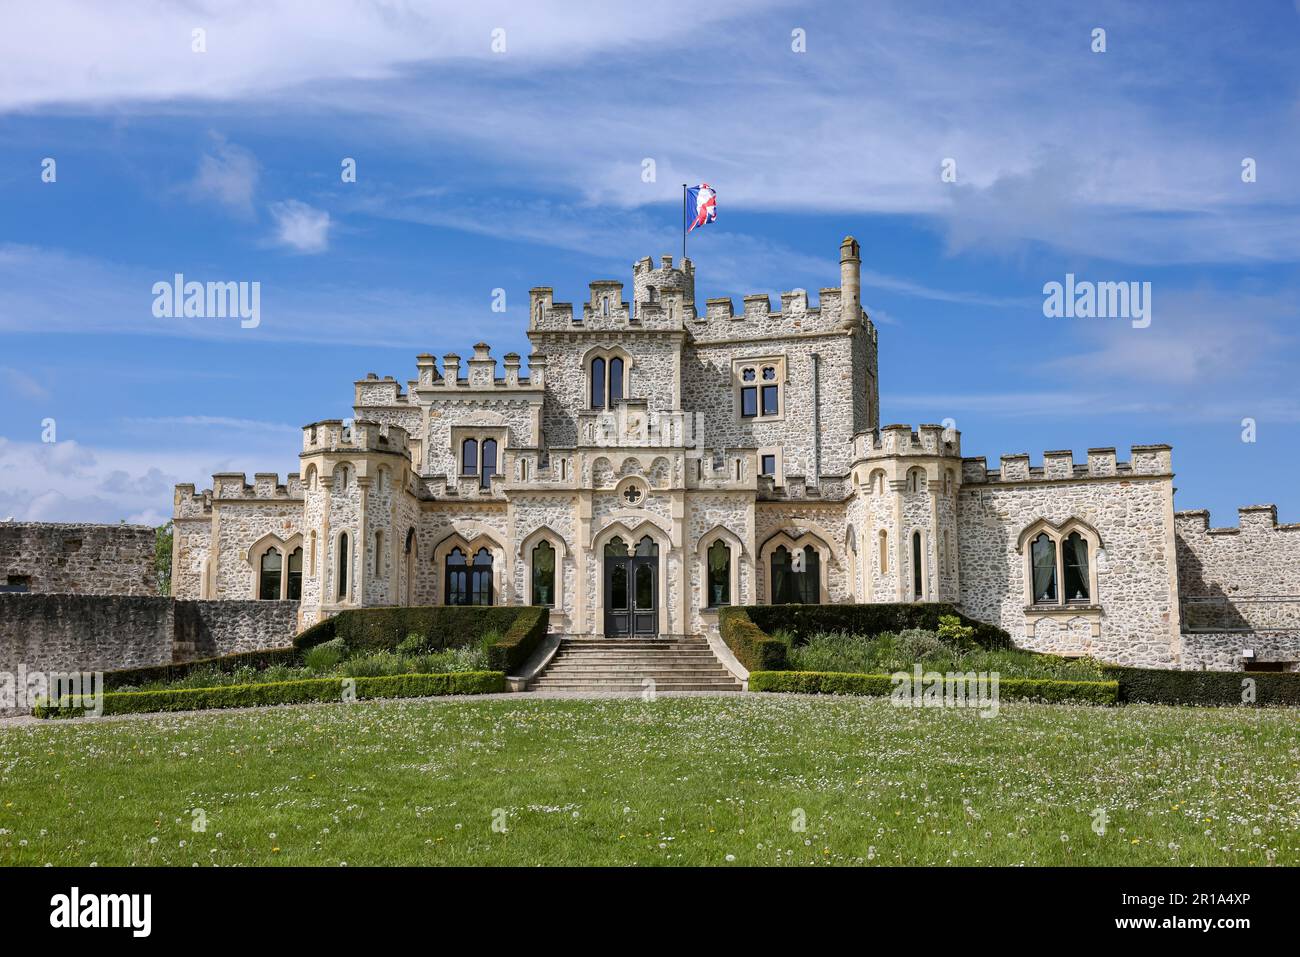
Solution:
(680, 663)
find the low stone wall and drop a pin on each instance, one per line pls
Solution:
(1221, 651)
(62, 633)
(77, 558)
(226, 627)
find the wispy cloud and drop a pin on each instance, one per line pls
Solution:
(227, 174)
(300, 227)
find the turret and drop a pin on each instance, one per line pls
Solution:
(850, 282)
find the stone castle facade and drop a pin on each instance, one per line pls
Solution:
(664, 457)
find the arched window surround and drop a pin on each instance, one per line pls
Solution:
(613, 366)
(552, 538)
(794, 539)
(1058, 534)
(269, 542)
(469, 546)
(738, 555)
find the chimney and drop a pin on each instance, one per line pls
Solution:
(850, 283)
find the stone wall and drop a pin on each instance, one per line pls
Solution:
(228, 627)
(51, 633)
(1239, 588)
(1133, 618)
(78, 559)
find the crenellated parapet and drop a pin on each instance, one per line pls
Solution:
(1251, 519)
(1145, 460)
(335, 435)
(228, 486)
(892, 441)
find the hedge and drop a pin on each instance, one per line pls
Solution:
(1009, 689)
(1164, 686)
(520, 641)
(125, 677)
(753, 648)
(442, 626)
(804, 621)
(282, 692)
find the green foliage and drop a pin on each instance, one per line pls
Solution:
(887, 653)
(520, 640)
(373, 664)
(1009, 689)
(226, 664)
(162, 558)
(803, 621)
(284, 692)
(1222, 688)
(753, 647)
(953, 632)
(440, 626)
(325, 657)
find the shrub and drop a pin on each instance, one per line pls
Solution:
(440, 626)
(226, 664)
(1009, 689)
(412, 644)
(283, 692)
(324, 657)
(953, 632)
(753, 648)
(803, 621)
(520, 640)
(1165, 686)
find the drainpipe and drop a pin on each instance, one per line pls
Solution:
(816, 422)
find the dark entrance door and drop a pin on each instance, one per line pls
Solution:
(632, 589)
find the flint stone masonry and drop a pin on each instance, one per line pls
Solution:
(393, 490)
(50, 633)
(78, 559)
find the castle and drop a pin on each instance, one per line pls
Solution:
(664, 457)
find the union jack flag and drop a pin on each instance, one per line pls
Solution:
(704, 201)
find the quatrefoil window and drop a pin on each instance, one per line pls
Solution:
(632, 495)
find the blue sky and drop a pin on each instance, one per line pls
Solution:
(479, 170)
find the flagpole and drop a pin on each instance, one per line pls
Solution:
(683, 222)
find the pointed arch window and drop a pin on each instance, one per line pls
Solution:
(719, 577)
(1042, 552)
(269, 571)
(796, 577)
(342, 577)
(543, 584)
(1074, 559)
(293, 587)
(598, 383)
(489, 468)
(918, 565)
(469, 457)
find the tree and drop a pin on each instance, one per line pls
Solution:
(162, 558)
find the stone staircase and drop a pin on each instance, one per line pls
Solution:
(678, 663)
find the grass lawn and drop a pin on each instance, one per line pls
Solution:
(675, 781)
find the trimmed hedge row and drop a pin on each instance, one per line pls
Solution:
(1009, 689)
(442, 626)
(1165, 686)
(753, 647)
(283, 692)
(803, 621)
(520, 641)
(260, 660)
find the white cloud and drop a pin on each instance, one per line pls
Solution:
(229, 175)
(300, 227)
(68, 481)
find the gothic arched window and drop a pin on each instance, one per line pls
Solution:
(268, 584)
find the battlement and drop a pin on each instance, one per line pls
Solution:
(1059, 465)
(1251, 519)
(333, 435)
(894, 440)
(372, 391)
(265, 487)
